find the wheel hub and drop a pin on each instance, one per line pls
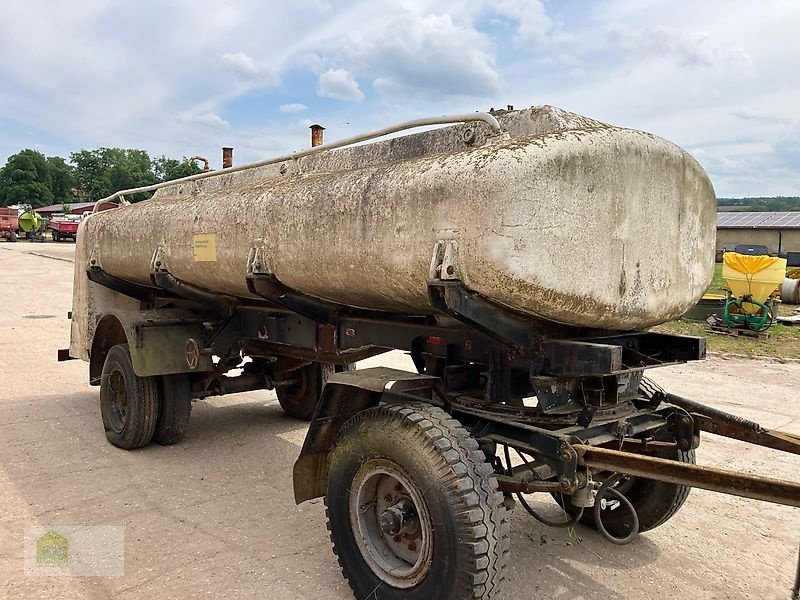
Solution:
(400, 519)
(119, 401)
(391, 523)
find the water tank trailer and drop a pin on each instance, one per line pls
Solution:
(518, 257)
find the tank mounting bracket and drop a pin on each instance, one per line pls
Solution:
(444, 262)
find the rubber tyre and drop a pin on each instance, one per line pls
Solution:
(470, 541)
(56, 237)
(655, 502)
(300, 401)
(134, 429)
(176, 408)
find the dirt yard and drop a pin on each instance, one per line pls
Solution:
(214, 517)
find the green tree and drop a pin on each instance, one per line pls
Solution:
(167, 169)
(104, 171)
(25, 178)
(91, 173)
(776, 203)
(30, 177)
(129, 169)
(62, 178)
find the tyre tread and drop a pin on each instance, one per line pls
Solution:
(176, 409)
(463, 468)
(144, 401)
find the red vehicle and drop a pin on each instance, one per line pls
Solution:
(64, 226)
(9, 224)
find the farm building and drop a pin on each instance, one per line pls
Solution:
(778, 231)
(75, 208)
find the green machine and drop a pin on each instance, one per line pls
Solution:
(751, 283)
(32, 223)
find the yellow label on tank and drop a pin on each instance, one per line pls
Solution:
(204, 247)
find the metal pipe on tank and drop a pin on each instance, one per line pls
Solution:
(467, 118)
(316, 135)
(227, 157)
(206, 166)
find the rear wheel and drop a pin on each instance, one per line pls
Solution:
(299, 400)
(176, 407)
(56, 236)
(128, 403)
(413, 507)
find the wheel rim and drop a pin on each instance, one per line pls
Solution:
(391, 523)
(296, 392)
(118, 401)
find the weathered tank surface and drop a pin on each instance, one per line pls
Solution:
(560, 217)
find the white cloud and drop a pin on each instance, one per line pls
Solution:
(689, 48)
(763, 116)
(247, 67)
(155, 75)
(427, 57)
(339, 84)
(534, 26)
(293, 107)
(211, 120)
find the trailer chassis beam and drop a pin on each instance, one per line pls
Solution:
(757, 487)
(727, 425)
(719, 422)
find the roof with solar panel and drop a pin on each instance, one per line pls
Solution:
(758, 220)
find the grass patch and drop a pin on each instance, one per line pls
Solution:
(717, 282)
(784, 341)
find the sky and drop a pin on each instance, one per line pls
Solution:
(719, 77)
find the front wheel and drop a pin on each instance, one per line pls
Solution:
(413, 507)
(128, 403)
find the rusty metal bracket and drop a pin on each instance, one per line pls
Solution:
(777, 440)
(134, 290)
(164, 280)
(719, 422)
(453, 299)
(268, 287)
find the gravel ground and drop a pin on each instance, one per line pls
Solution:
(214, 517)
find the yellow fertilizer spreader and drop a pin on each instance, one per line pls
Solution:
(751, 280)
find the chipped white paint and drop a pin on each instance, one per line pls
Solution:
(565, 218)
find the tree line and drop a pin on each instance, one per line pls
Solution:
(30, 177)
(771, 204)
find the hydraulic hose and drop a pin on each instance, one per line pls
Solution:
(529, 509)
(569, 523)
(598, 507)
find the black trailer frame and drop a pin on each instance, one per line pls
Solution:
(478, 361)
(571, 403)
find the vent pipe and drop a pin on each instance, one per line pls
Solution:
(316, 135)
(227, 157)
